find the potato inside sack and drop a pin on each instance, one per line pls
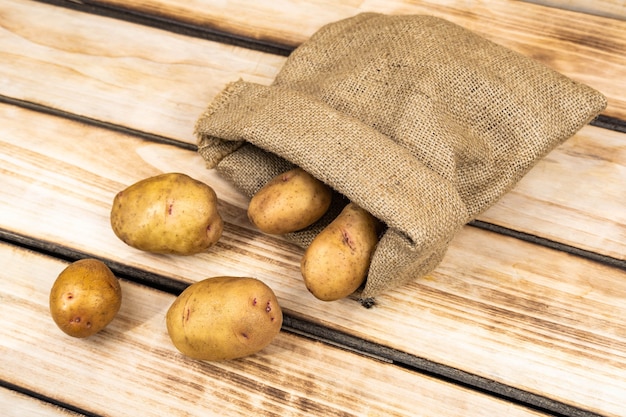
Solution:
(85, 298)
(289, 202)
(424, 138)
(169, 213)
(337, 261)
(224, 318)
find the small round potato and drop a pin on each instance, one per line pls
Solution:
(224, 318)
(85, 297)
(169, 213)
(289, 202)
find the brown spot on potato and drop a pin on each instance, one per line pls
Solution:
(347, 240)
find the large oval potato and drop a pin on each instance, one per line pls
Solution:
(169, 213)
(85, 298)
(224, 318)
(289, 202)
(336, 262)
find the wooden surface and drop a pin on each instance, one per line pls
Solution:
(134, 355)
(523, 317)
(609, 8)
(570, 42)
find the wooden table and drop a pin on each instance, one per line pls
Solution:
(526, 315)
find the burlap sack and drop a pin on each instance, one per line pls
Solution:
(419, 121)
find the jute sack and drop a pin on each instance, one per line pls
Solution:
(419, 121)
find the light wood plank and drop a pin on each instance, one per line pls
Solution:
(575, 195)
(517, 313)
(117, 72)
(122, 80)
(588, 48)
(15, 404)
(615, 9)
(131, 367)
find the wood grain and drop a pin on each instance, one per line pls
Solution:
(591, 49)
(615, 9)
(113, 71)
(513, 312)
(131, 367)
(121, 81)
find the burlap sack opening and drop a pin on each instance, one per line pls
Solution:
(419, 121)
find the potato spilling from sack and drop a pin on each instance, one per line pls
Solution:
(336, 262)
(224, 318)
(85, 298)
(169, 213)
(289, 202)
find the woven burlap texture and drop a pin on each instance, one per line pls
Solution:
(416, 119)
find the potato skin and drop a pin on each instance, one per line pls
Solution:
(85, 298)
(223, 318)
(289, 202)
(336, 262)
(169, 213)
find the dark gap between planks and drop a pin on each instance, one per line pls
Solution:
(151, 137)
(49, 400)
(313, 331)
(173, 25)
(552, 244)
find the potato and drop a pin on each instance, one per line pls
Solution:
(85, 297)
(336, 262)
(224, 318)
(289, 202)
(169, 213)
